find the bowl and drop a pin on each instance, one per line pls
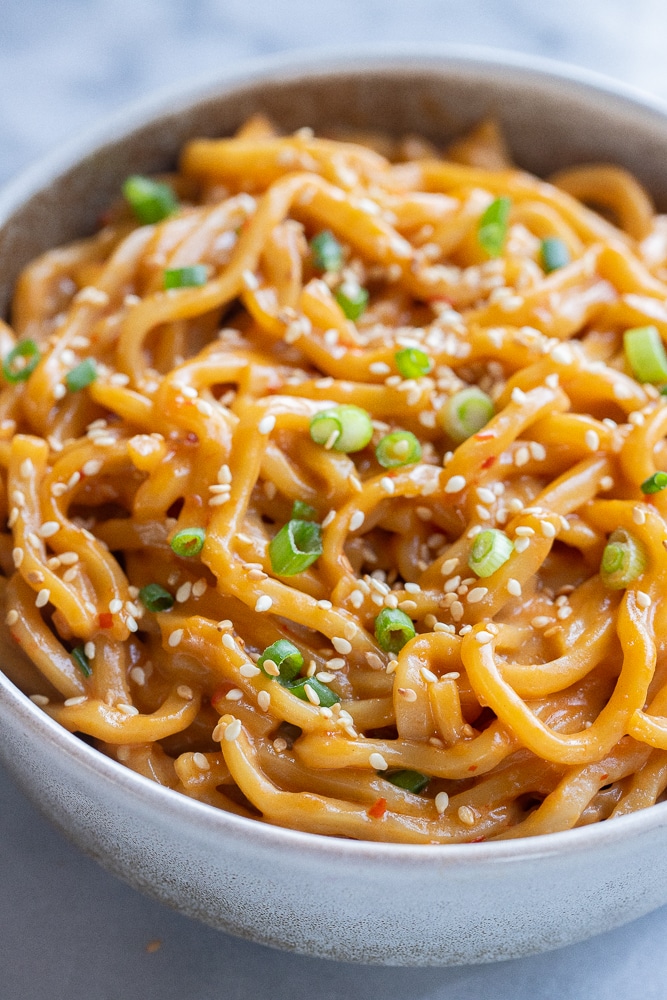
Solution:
(334, 898)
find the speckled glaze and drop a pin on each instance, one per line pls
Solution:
(379, 903)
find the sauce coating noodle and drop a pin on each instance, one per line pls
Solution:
(156, 441)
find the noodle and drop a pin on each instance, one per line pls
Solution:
(379, 407)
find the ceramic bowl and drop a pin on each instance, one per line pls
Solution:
(363, 902)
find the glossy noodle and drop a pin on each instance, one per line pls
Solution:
(331, 477)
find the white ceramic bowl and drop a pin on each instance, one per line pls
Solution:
(366, 902)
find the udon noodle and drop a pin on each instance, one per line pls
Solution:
(331, 486)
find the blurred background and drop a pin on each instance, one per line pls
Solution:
(68, 930)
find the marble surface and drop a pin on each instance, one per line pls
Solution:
(67, 929)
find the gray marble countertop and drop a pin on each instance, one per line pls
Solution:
(68, 930)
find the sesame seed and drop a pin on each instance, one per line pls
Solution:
(548, 529)
(408, 694)
(341, 645)
(521, 457)
(456, 611)
(449, 566)
(249, 670)
(89, 650)
(521, 544)
(377, 762)
(356, 599)
(329, 518)
(541, 621)
(12, 617)
(455, 484)
(115, 606)
(563, 613)
(357, 520)
(311, 694)
(477, 594)
(126, 709)
(335, 663)
(78, 700)
(138, 675)
(638, 515)
(606, 483)
(234, 694)
(483, 637)
(183, 691)
(228, 641)
(643, 600)
(39, 699)
(201, 761)
(485, 495)
(428, 675)
(592, 440)
(325, 677)
(266, 424)
(17, 556)
(92, 467)
(199, 587)
(250, 280)
(233, 730)
(43, 598)
(387, 484)
(514, 587)
(27, 468)
(175, 637)
(441, 802)
(183, 592)
(263, 603)
(264, 700)
(466, 815)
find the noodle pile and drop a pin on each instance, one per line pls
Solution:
(529, 699)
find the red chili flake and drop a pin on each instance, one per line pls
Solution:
(488, 462)
(485, 436)
(15, 638)
(440, 298)
(378, 809)
(603, 777)
(473, 767)
(191, 438)
(105, 619)
(477, 840)
(219, 695)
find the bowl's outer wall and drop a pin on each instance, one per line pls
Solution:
(324, 896)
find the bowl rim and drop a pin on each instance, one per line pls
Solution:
(291, 66)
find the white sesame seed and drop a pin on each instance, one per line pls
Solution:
(126, 709)
(514, 587)
(131, 623)
(17, 556)
(521, 456)
(234, 694)
(441, 802)
(115, 606)
(562, 354)
(89, 650)
(377, 762)
(357, 520)
(27, 468)
(483, 637)
(204, 407)
(40, 699)
(548, 529)
(59, 391)
(249, 670)
(485, 495)
(428, 675)
(592, 440)
(233, 730)
(455, 484)
(263, 603)
(175, 637)
(606, 484)
(643, 600)
(228, 641)
(449, 566)
(138, 675)
(408, 694)
(12, 617)
(250, 280)
(335, 663)
(183, 691)
(328, 518)
(387, 484)
(91, 467)
(521, 544)
(564, 612)
(201, 761)
(78, 700)
(524, 530)
(466, 815)
(183, 592)
(311, 694)
(541, 621)
(477, 594)
(266, 424)
(264, 700)
(341, 645)
(638, 515)
(43, 598)
(199, 587)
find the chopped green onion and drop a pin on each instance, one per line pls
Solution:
(393, 629)
(21, 361)
(327, 251)
(465, 413)
(411, 781)
(398, 448)
(286, 658)
(352, 299)
(326, 696)
(343, 428)
(156, 598)
(188, 542)
(554, 254)
(413, 362)
(302, 511)
(83, 663)
(185, 277)
(655, 483)
(150, 200)
(84, 374)
(490, 550)
(296, 547)
(492, 226)
(645, 353)
(623, 560)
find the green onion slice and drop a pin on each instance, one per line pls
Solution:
(84, 374)
(21, 361)
(465, 413)
(413, 362)
(623, 560)
(352, 299)
(655, 483)
(327, 251)
(156, 598)
(326, 696)
(83, 663)
(150, 200)
(302, 511)
(492, 226)
(645, 353)
(188, 542)
(342, 428)
(286, 657)
(398, 448)
(490, 550)
(554, 254)
(186, 277)
(393, 629)
(296, 547)
(411, 781)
